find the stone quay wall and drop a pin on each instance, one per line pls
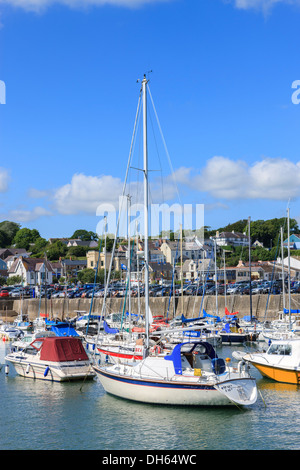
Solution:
(264, 307)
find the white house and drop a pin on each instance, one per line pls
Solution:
(79, 242)
(190, 250)
(33, 271)
(231, 238)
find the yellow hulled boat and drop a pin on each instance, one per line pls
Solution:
(281, 361)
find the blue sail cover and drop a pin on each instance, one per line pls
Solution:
(205, 314)
(189, 320)
(286, 310)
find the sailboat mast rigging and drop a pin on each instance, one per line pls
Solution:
(146, 203)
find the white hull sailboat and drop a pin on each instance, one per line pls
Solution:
(191, 374)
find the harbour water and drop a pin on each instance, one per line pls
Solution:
(38, 415)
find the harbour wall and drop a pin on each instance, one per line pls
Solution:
(264, 307)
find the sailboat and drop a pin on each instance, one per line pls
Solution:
(283, 327)
(192, 373)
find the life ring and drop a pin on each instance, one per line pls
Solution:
(241, 330)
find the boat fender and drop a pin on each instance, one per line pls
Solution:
(156, 349)
(46, 371)
(6, 369)
(28, 369)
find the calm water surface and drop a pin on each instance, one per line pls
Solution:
(39, 415)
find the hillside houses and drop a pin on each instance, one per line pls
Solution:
(294, 242)
(231, 239)
(165, 260)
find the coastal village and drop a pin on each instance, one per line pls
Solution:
(179, 259)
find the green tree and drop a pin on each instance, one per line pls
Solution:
(239, 226)
(39, 246)
(14, 280)
(268, 231)
(56, 250)
(85, 235)
(25, 237)
(8, 231)
(87, 276)
(77, 251)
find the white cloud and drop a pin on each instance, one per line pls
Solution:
(224, 178)
(40, 5)
(4, 180)
(38, 193)
(21, 215)
(85, 193)
(264, 5)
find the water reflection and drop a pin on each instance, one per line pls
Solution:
(46, 415)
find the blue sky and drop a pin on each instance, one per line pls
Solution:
(221, 81)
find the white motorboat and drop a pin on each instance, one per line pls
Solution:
(10, 333)
(22, 324)
(57, 359)
(281, 361)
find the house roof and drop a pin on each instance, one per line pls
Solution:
(162, 267)
(231, 235)
(30, 264)
(56, 264)
(74, 262)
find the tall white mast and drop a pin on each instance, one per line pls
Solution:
(216, 278)
(129, 260)
(282, 269)
(289, 264)
(146, 203)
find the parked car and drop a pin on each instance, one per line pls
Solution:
(4, 293)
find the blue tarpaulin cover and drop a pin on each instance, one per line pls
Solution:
(63, 329)
(107, 329)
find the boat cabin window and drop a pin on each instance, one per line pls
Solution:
(30, 350)
(280, 349)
